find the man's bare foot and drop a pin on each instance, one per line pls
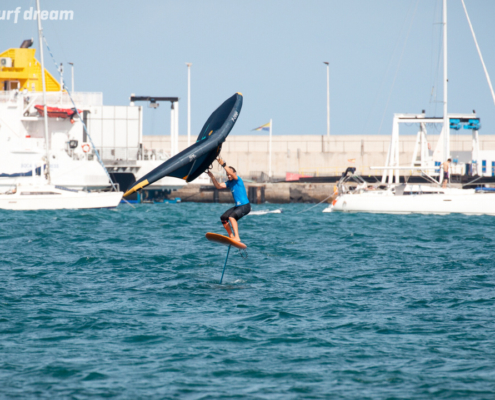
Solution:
(237, 239)
(232, 236)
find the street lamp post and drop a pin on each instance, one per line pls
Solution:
(328, 97)
(270, 151)
(188, 103)
(72, 76)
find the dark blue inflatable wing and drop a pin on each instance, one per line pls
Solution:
(193, 161)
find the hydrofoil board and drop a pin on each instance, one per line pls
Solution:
(225, 240)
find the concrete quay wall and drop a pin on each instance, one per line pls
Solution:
(314, 155)
(278, 193)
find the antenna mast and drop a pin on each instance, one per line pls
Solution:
(45, 114)
(446, 122)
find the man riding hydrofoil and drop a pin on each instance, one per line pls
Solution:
(242, 206)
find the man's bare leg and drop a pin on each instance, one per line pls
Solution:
(227, 228)
(236, 229)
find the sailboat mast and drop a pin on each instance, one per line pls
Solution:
(45, 114)
(446, 122)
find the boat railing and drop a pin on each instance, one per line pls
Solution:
(10, 96)
(119, 153)
(131, 153)
(337, 171)
(58, 99)
(329, 171)
(365, 170)
(344, 184)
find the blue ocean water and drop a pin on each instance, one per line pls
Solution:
(126, 303)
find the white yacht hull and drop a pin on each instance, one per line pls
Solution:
(386, 202)
(52, 198)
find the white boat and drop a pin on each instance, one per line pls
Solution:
(49, 197)
(391, 196)
(446, 201)
(407, 199)
(73, 159)
(115, 132)
(40, 193)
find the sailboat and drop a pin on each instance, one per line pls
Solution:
(44, 196)
(393, 197)
(39, 193)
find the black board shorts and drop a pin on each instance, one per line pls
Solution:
(236, 212)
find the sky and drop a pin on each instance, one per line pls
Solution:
(385, 58)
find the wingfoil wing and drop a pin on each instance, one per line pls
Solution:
(193, 161)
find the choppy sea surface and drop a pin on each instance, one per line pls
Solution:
(125, 303)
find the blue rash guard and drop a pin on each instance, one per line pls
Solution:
(238, 191)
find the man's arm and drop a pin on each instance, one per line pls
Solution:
(217, 185)
(227, 169)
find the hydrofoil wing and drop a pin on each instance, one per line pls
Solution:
(224, 240)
